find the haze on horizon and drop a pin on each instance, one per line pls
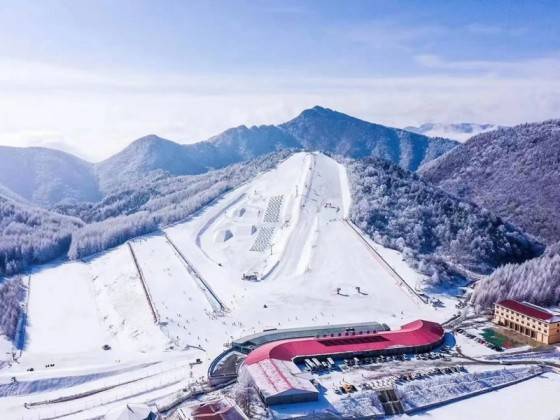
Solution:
(89, 77)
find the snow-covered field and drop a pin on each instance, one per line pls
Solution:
(533, 399)
(287, 226)
(63, 314)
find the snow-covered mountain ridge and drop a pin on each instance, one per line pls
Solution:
(51, 177)
(513, 172)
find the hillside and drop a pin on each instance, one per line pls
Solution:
(147, 155)
(434, 229)
(514, 172)
(536, 281)
(45, 176)
(29, 235)
(329, 131)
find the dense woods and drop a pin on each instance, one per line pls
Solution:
(12, 295)
(536, 281)
(513, 172)
(29, 235)
(433, 229)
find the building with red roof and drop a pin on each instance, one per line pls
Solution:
(533, 321)
(279, 380)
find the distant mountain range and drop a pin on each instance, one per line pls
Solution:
(456, 131)
(47, 177)
(514, 172)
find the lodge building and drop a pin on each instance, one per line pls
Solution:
(533, 321)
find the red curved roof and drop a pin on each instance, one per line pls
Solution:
(415, 334)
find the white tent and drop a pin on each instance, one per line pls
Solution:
(131, 411)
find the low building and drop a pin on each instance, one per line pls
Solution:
(533, 321)
(273, 366)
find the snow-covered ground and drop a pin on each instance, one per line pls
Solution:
(533, 399)
(123, 304)
(178, 299)
(312, 269)
(63, 315)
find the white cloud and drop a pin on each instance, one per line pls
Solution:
(98, 113)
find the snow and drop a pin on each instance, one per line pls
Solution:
(426, 392)
(5, 349)
(178, 299)
(122, 302)
(63, 315)
(533, 399)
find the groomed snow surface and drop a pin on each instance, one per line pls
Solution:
(311, 269)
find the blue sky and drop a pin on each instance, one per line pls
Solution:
(90, 76)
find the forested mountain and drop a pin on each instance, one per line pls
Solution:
(536, 281)
(154, 156)
(49, 177)
(514, 172)
(30, 235)
(150, 155)
(333, 132)
(45, 176)
(456, 131)
(400, 210)
(244, 143)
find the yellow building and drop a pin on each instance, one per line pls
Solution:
(533, 321)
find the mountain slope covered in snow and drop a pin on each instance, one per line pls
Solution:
(156, 157)
(434, 229)
(329, 131)
(46, 176)
(536, 281)
(30, 235)
(514, 172)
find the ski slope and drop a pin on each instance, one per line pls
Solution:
(310, 258)
(63, 315)
(178, 299)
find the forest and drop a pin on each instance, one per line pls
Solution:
(434, 230)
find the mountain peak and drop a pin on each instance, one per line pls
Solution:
(318, 110)
(150, 138)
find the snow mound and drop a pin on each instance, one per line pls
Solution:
(224, 235)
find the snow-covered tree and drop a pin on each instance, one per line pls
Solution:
(12, 294)
(536, 281)
(433, 229)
